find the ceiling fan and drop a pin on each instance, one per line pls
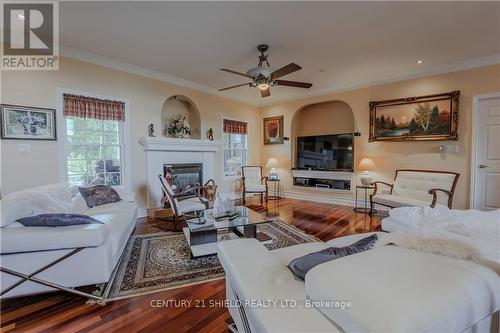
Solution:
(264, 76)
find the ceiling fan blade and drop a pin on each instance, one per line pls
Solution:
(236, 86)
(292, 84)
(265, 92)
(235, 72)
(290, 68)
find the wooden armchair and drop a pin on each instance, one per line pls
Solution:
(416, 188)
(179, 203)
(253, 181)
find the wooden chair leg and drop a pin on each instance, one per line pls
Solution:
(261, 197)
(244, 200)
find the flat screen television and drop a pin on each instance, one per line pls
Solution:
(332, 152)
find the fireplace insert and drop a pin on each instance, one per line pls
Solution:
(184, 175)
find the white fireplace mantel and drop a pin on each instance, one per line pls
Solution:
(173, 144)
(162, 150)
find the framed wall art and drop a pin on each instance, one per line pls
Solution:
(273, 130)
(27, 123)
(432, 117)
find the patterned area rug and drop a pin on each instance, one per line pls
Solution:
(162, 261)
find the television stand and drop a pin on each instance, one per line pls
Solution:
(319, 179)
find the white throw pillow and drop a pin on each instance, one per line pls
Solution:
(12, 210)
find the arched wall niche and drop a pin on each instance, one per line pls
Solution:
(332, 117)
(181, 105)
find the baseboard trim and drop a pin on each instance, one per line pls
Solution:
(142, 212)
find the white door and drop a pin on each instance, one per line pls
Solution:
(487, 154)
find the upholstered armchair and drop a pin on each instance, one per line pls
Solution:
(416, 188)
(253, 181)
(179, 203)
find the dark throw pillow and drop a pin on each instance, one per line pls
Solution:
(56, 220)
(301, 265)
(99, 195)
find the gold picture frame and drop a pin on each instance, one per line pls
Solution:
(423, 118)
(273, 130)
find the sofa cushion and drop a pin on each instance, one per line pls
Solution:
(190, 205)
(393, 200)
(257, 276)
(119, 219)
(12, 210)
(28, 239)
(56, 220)
(422, 292)
(99, 195)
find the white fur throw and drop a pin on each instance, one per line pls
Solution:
(463, 234)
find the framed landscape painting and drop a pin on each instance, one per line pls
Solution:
(273, 130)
(28, 123)
(432, 117)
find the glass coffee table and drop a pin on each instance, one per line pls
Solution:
(201, 232)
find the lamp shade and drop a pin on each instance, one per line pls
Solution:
(366, 164)
(272, 163)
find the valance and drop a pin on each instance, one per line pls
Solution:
(235, 127)
(89, 107)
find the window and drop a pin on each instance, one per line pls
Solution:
(93, 148)
(235, 141)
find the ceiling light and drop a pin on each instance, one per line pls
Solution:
(420, 62)
(263, 86)
(20, 17)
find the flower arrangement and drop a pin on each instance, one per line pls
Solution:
(179, 127)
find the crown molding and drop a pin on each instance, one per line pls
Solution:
(149, 73)
(442, 69)
(133, 69)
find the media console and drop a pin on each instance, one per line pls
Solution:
(334, 180)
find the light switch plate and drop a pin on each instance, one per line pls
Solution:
(24, 148)
(452, 149)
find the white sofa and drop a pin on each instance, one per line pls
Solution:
(416, 188)
(27, 249)
(390, 289)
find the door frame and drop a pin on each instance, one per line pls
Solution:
(475, 110)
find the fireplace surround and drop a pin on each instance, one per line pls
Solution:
(162, 151)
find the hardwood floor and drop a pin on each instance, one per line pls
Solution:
(62, 312)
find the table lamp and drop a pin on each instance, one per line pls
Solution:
(366, 165)
(271, 165)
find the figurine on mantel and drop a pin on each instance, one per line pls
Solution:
(151, 130)
(210, 134)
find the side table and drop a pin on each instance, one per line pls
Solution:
(365, 209)
(276, 189)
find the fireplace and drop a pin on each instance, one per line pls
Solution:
(184, 175)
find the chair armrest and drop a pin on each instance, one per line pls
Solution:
(196, 188)
(375, 183)
(434, 193)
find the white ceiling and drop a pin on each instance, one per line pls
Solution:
(356, 42)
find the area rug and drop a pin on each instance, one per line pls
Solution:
(162, 261)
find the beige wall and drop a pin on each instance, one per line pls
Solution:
(146, 98)
(389, 156)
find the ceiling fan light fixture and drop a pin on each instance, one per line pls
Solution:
(263, 86)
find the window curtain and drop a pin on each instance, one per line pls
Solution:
(235, 127)
(89, 107)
